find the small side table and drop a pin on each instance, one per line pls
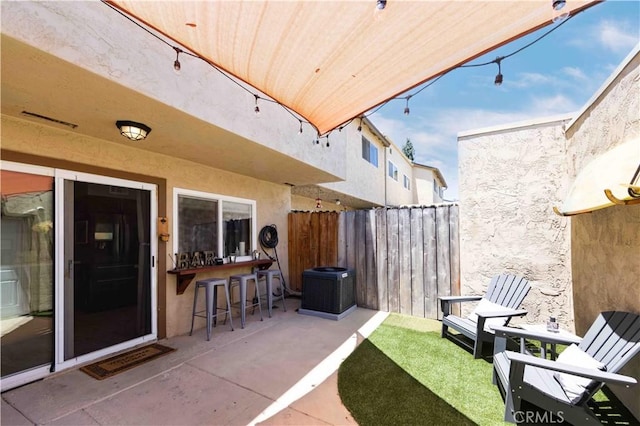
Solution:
(541, 330)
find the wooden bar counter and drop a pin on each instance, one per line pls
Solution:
(186, 275)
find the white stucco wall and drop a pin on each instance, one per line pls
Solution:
(397, 194)
(424, 180)
(510, 179)
(362, 179)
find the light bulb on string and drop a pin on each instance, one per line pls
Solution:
(557, 12)
(498, 79)
(327, 140)
(360, 125)
(300, 131)
(406, 108)
(257, 108)
(176, 63)
(378, 11)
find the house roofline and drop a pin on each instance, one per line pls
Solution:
(517, 125)
(375, 131)
(605, 86)
(435, 170)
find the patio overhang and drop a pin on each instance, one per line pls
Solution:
(330, 61)
(612, 178)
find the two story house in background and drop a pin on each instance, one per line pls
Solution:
(378, 174)
(92, 222)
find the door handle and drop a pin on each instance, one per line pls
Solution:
(69, 268)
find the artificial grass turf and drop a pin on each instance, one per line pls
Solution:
(405, 375)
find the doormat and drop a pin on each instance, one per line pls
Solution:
(126, 361)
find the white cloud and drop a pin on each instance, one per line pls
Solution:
(551, 105)
(529, 79)
(616, 36)
(619, 36)
(575, 73)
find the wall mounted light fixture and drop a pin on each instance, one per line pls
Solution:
(132, 130)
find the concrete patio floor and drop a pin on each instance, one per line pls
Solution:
(281, 371)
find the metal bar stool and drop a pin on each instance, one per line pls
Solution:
(241, 281)
(269, 275)
(211, 305)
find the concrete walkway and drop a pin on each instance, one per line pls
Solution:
(280, 371)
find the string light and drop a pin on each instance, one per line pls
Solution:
(406, 108)
(360, 125)
(381, 4)
(557, 14)
(176, 63)
(300, 131)
(498, 80)
(328, 140)
(257, 108)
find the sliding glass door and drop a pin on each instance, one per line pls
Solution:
(108, 258)
(26, 270)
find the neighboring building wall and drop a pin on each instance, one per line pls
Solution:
(273, 201)
(605, 244)
(510, 180)
(397, 194)
(363, 180)
(425, 184)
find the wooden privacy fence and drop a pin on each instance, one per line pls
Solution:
(404, 258)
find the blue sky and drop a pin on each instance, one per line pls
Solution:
(556, 75)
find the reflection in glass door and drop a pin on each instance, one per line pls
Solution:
(26, 271)
(108, 254)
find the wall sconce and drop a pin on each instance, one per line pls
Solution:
(132, 130)
(163, 229)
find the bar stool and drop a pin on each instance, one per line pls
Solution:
(211, 305)
(241, 281)
(269, 275)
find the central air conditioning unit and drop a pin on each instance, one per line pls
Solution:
(329, 290)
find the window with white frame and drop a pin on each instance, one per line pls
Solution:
(213, 225)
(369, 151)
(407, 182)
(393, 171)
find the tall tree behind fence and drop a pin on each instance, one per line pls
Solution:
(404, 258)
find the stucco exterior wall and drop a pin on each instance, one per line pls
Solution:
(424, 186)
(273, 201)
(397, 194)
(510, 180)
(605, 244)
(362, 179)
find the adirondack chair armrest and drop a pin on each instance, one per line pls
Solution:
(505, 313)
(456, 299)
(446, 301)
(544, 337)
(601, 376)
